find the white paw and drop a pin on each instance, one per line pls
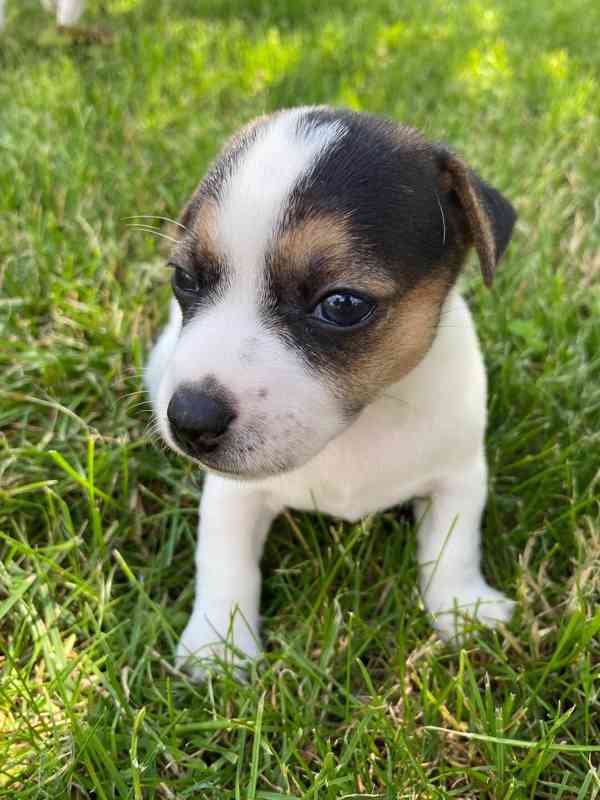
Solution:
(206, 646)
(454, 607)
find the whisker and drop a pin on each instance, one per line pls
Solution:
(154, 425)
(153, 232)
(443, 218)
(143, 405)
(157, 216)
(399, 400)
(135, 393)
(152, 432)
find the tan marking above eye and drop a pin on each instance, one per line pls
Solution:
(326, 235)
(328, 239)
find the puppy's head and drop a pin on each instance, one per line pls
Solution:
(314, 261)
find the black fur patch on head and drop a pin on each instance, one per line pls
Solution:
(385, 179)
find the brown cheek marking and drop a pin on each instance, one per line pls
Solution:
(396, 347)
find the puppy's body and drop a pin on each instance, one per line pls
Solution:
(312, 218)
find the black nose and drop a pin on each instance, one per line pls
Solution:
(198, 419)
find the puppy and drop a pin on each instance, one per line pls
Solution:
(67, 12)
(319, 356)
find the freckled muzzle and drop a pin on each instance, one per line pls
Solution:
(198, 420)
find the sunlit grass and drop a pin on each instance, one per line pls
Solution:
(355, 696)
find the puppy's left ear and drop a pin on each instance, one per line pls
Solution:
(488, 215)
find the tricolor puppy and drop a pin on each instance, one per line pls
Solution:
(67, 12)
(319, 356)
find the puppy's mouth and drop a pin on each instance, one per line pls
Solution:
(231, 468)
(192, 451)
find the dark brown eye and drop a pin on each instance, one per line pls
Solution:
(344, 309)
(184, 281)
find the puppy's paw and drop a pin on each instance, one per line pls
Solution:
(455, 607)
(203, 648)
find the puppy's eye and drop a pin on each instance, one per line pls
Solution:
(344, 309)
(184, 281)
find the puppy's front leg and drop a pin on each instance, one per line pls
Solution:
(449, 536)
(234, 522)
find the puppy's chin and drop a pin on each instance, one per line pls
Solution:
(244, 469)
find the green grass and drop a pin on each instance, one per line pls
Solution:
(355, 697)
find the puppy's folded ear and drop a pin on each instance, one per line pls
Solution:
(488, 215)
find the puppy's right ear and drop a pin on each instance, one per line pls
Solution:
(489, 216)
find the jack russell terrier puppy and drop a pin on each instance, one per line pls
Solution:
(67, 12)
(319, 356)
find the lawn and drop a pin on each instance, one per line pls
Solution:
(355, 697)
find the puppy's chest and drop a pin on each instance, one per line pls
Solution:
(350, 501)
(354, 478)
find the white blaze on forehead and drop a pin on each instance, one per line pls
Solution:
(255, 196)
